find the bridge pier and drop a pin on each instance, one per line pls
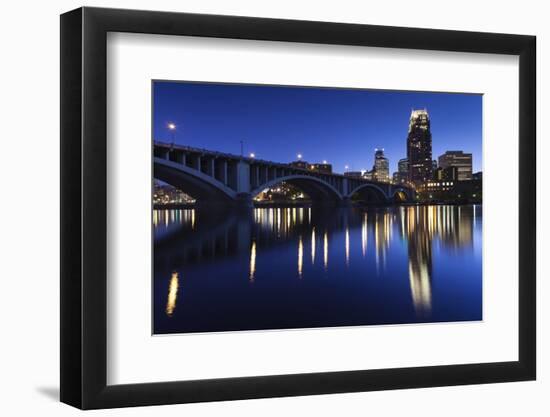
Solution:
(244, 201)
(345, 202)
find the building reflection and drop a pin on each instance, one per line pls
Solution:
(419, 235)
(186, 237)
(383, 224)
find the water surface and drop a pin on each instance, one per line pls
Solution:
(280, 268)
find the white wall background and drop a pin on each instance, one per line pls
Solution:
(29, 233)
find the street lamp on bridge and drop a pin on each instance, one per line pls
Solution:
(172, 129)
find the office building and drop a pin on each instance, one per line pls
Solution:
(462, 161)
(381, 166)
(419, 147)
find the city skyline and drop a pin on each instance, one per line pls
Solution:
(287, 227)
(341, 126)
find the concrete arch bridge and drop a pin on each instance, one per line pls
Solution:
(215, 177)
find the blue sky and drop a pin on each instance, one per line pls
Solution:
(342, 126)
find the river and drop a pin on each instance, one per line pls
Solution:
(311, 267)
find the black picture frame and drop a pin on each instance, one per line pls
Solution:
(84, 207)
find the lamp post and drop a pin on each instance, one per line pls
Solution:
(172, 129)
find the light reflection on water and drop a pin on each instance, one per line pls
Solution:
(424, 265)
(172, 294)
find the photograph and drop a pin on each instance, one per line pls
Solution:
(296, 207)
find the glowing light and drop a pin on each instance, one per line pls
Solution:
(364, 234)
(252, 262)
(300, 256)
(252, 155)
(172, 294)
(299, 156)
(171, 126)
(324, 161)
(193, 219)
(313, 245)
(421, 288)
(347, 247)
(325, 250)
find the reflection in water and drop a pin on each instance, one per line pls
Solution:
(300, 256)
(420, 264)
(312, 243)
(408, 241)
(347, 247)
(325, 250)
(252, 262)
(364, 235)
(172, 294)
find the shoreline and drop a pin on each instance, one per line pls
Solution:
(188, 206)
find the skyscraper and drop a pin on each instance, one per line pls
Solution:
(419, 147)
(381, 166)
(402, 174)
(462, 161)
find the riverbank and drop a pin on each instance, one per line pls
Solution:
(271, 204)
(173, 206)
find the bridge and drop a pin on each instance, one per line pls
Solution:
(214, 177)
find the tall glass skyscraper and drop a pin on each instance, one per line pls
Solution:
(381, 166)
(419, 147)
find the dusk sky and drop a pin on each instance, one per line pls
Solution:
(342, 126)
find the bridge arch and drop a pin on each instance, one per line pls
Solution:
(370, 193)
(316, 188)
(401, 195)
(200, 186)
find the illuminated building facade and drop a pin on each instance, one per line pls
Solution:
(419, 147)
(281, 192)
(299, 164)
(401, 176)
(369, 175)
(354, 174)
(324, 167)
(381, 169)
(462, 161)
(164, 194)
(470, 191)
(446, 174)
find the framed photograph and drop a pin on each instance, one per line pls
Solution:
(257, 208)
